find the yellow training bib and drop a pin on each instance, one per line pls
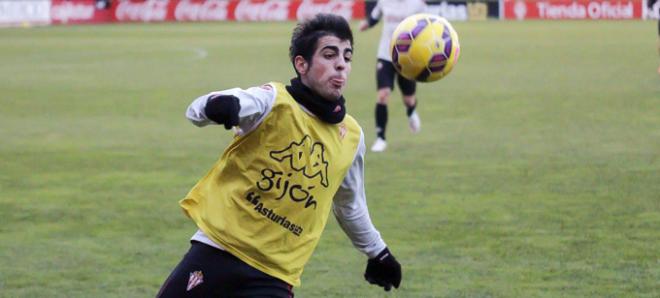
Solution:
(268, 198)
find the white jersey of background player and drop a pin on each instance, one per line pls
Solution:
(392, 12)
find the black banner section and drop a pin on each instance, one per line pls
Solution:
(466, 10)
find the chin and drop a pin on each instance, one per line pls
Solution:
(332, 96)
(337, 94)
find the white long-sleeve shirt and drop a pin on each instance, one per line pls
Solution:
(349, 203)
(392, 12)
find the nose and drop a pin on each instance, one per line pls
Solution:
(340, 65)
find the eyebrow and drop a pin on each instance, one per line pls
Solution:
(336, 49)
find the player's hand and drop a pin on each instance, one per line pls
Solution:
(223, 109)
(384, 270)
(364, 25)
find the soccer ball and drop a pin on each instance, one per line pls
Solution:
(424, 47)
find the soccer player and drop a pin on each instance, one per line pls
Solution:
(659, 42)
(392, 12)
(296, 155)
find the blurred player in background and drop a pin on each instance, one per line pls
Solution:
(296, 156)
(392, 12)
(653, 12)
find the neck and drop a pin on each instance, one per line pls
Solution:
(305, 84)
(331, 111)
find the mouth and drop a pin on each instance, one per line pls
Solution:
(337, 82)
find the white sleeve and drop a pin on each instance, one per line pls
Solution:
(350, 208)
(255, 103)
(422, 7)
(377, 12)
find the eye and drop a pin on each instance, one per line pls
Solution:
(348, 55)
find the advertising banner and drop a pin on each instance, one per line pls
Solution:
(572, 9)
(78, 12)
(24, 12)
(464, 10)
(85, 11)
(456, 10)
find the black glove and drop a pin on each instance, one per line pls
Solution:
(384, 270)
(223, 109)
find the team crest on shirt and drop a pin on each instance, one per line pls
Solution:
(195, 279)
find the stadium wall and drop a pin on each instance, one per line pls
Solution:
(58, 12)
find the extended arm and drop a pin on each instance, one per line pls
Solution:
(350, 209)
(232, 107)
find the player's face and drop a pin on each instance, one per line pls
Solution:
(327, 74)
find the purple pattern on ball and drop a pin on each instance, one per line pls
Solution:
(445, 32)
(448, 44)
(403, 42)
(404, 37)
(421, 24)
(446, 37)
(437, 62)
(395, 57)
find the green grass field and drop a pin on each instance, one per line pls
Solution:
(536, 174)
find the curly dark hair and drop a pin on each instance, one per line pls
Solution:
(307, 33)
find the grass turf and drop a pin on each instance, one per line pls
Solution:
(536, 173)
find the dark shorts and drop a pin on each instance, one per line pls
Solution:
(206, 271)
(385, 74)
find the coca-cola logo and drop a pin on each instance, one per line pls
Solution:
(520, 10)
(71, 11)
(210, 10)
(308, 8)
(147, 11)
(269, 10)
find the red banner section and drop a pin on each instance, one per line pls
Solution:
(572, 9)
(78, 12)
(85, 11)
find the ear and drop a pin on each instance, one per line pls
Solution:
(300, 64)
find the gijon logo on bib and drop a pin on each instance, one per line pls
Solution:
(302, 168)
(307, 169)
